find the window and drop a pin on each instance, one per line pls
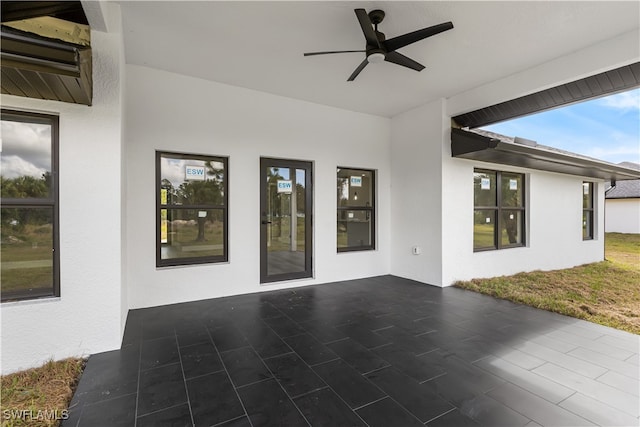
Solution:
(191, 209)
(587, 210)
(498, 218)
(356, 209)
(29, 206)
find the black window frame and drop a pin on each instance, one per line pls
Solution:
(588, 211)
(53, 201)
(499, 207)
(211, 259)
(370, 209)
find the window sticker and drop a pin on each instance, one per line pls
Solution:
(513, 184)
(285, 186)
(485, 184)
(163, 226)
(488, 220)
(356, 181)
(351, 215)
(195, 173)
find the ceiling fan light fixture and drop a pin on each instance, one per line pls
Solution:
(376, 58)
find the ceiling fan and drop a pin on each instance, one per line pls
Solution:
(379, 49)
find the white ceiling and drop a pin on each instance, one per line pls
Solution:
(259, 45)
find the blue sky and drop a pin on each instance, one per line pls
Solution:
(606, 128)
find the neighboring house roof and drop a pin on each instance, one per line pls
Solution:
(482, 145)
(624, 190)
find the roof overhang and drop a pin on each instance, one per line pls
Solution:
(607, 83)
(473, 146)
(42, 68)
(46, 51)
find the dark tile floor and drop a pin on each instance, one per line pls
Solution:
(382, 351)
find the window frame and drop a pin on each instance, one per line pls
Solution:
(499, 208)
(210, 259)
(52, 201)
(371, 209)
(590, 211)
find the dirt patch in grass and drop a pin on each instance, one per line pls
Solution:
(40, 396)
(606, 292)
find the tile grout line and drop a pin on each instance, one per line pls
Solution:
(163, 409)
(307, 392)
(135, 421)
(443, 414)
(278, 355)
(432, 378)
(278, 382)
(184, 377)
(388, 365)
(336, 393)
(333, 341)
(326, 361)
(372, 402)
(224, 422)
(229, 376)
(391, 397)
(203, 375)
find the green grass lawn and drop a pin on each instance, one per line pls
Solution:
(27, 257)
(606, 292)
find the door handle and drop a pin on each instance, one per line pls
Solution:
(266, 222)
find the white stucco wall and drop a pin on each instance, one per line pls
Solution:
(416, 192)
(622, 215)
(553, 204)
(432, 207)
(87, 317)
(170, 112)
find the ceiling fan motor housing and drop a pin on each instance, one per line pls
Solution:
(376, 16)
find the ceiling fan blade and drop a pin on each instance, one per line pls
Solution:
(400, 59)
(332, 51)
(406, 39)
(353, 75)
(367, 27)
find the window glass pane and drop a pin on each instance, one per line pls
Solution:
(285, 210)
(27, 251)
(511, 189)
(511, 227)
(484, 189)
(354, 228)
(484, 229)
(354, 187)
(192, 233)
(587, 199)
(587, 225)
(186, 181)
(25, 161)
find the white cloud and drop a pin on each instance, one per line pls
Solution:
(26, 147)
(623, 101)
(172, 170)
(15, 166)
